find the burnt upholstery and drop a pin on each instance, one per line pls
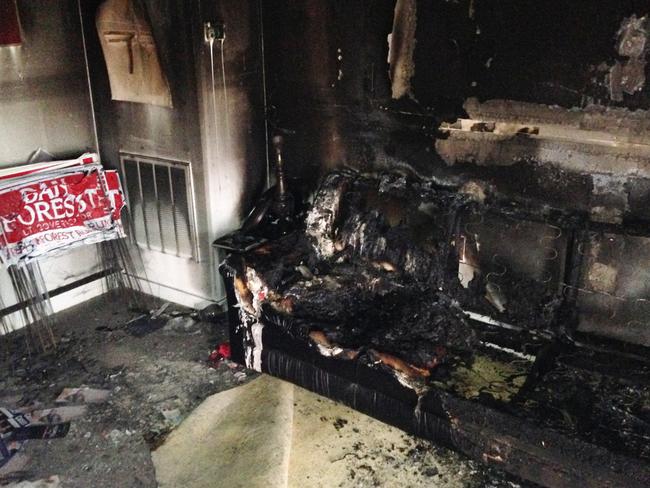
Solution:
(367, 275)
(365, 304)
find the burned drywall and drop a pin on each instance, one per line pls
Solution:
(549, 52)
(401, 46)
(627, 75)
(213, 87)
(538, 71)
(513, 97)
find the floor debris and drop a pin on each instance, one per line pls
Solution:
(157, 381)
(181, 324)
(145, 324)
(221, 352)
(83, 395)
(157, 372)
(51, 482)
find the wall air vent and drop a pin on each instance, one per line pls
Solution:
(161, 200)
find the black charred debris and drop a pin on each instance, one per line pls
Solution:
(374, 277)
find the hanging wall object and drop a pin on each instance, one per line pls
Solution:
(134, 70)
(9, 24)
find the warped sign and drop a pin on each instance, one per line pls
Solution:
(50, 207)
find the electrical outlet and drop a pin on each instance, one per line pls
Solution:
(214, 31)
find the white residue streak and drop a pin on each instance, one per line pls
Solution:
(489, 320)
(512, 352)
(250, 321)
(257, 287)
(253, 340)
(257, 329)
(401, 47)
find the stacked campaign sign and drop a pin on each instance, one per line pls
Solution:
(50, 207)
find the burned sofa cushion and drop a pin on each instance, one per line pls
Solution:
(364, 279)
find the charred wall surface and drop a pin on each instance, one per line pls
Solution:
(232, 116)
(142, 128)
(538, 101)
(210, 91)
(532, 65)
(149, 130)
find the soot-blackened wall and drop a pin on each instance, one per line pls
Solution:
(537, 100)
(547, 63)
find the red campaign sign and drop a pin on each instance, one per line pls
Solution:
(78, 206)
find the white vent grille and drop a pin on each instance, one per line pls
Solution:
(160, 196)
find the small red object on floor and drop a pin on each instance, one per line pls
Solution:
(220, 353)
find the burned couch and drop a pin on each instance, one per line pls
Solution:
(446, 315)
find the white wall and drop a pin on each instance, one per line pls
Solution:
(44, 102)
(58, 271)
(44, 98)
